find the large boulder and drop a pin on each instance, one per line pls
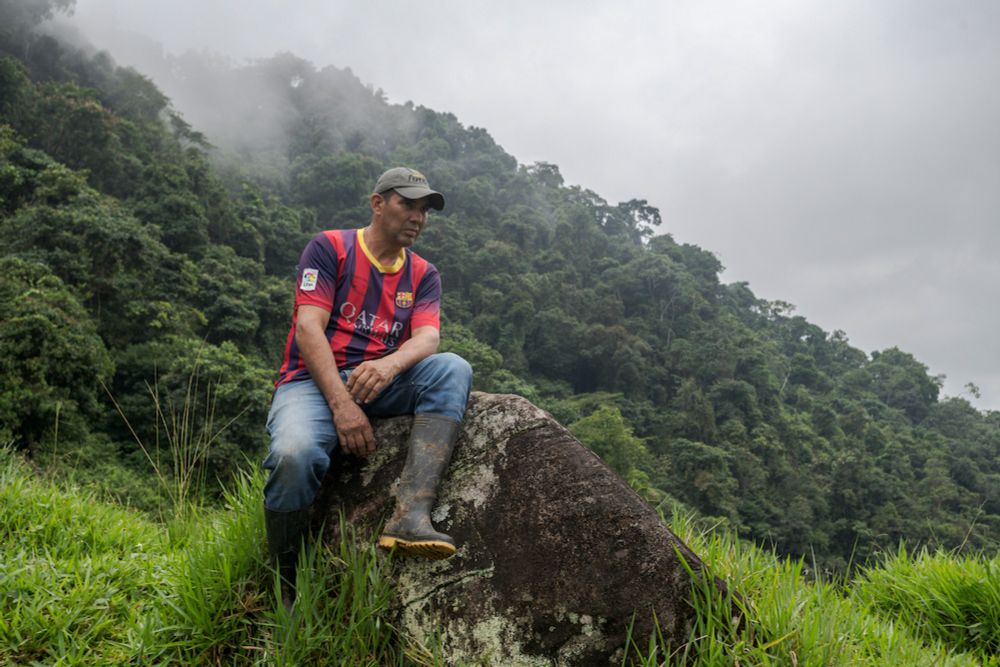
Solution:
(557, 555)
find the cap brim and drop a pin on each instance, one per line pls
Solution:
(436, 198)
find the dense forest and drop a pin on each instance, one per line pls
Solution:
(146, 287)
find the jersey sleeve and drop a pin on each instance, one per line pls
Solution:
(427, 301)
(317, 274)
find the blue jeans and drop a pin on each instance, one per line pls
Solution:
(303, 435)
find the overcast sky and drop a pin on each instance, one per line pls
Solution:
(843, 156)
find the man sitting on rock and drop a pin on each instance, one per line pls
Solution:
(363, 344)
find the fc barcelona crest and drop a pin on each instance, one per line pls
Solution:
(404, 299)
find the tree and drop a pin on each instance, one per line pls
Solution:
(20, 18)
(902, 382)
(175, 389)
(635, 220)
(52, 362)
(606, 433)
(119, 270)
(335, 186)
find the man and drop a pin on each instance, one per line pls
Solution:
(363, 344)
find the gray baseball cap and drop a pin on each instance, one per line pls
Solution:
(409, 183)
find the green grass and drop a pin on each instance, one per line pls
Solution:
(940, 597)
(789, 618)
(85, 582)
(76, 574)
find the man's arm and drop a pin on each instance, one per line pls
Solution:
(353, 428)
(371, 377)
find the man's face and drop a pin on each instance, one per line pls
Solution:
(402, 219)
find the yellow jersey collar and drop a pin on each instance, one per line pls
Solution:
(391, 268)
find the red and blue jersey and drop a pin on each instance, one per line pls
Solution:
(373, 308)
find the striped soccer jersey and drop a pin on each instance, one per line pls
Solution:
(373, 308)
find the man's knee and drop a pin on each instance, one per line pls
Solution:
(454, 368)
(295, 448)
(444, 384)
(297, 465)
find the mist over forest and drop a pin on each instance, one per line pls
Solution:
(151, 231)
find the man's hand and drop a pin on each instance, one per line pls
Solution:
(370, 378)
(353, 429)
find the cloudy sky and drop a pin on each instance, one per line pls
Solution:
(842, 156)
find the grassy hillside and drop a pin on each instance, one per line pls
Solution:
(87, 582)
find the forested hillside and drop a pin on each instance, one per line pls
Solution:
(148, 259)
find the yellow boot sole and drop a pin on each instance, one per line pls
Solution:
(431, 549)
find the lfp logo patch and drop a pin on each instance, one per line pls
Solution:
(309, 279)
(404, 299)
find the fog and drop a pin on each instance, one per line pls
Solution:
(844, 157)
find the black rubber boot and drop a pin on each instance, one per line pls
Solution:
(409, 530)
(286, 532)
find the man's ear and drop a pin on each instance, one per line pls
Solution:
(377, 202)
